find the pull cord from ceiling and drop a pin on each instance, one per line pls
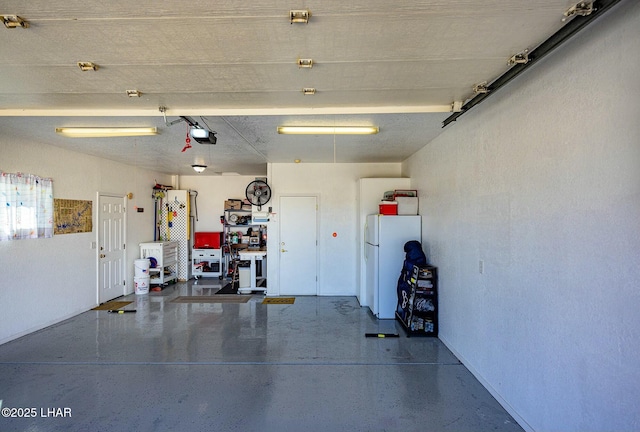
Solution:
(187, 141)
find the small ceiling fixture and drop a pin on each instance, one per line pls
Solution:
(305, 63)
(198, 168)
(13, 21)
(133, 93)
(105, 132)
(328, 130)
(481, 88)
(583, 8)
(87, 66)
(308, 91)
(520, 58)
(299, 16)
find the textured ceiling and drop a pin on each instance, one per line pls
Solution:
(233, 65)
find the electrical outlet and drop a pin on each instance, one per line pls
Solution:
(481, 266)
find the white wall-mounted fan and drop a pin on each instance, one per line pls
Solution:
(258, 193)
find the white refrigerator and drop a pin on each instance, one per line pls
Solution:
(385, 237)
(370, 192)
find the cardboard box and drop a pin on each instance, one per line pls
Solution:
(233, 204)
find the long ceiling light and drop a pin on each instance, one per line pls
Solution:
(329, 130)
(105, 132)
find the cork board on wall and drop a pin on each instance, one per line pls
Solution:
(72, 216)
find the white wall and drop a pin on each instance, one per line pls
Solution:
(336, 185)
(45, 281)
(212, 193)
(542, 183)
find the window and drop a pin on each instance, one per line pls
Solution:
(26, 206)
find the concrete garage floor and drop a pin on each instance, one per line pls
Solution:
(238, 367)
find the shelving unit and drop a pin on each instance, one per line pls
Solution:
(206, 263)
(166, 256)
(418, 312)
(235, 220)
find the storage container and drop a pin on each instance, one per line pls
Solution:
(404, 193)
(141, 267)
(389, 208)
(207, 240)
(233, 204)
(407, 205)
(141, 284)
(244, 277)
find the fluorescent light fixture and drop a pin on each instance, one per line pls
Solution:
(199, 168)
(329, 130)
(105, 132)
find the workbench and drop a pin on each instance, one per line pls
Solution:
(252, 256)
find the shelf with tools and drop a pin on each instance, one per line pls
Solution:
(243, 234)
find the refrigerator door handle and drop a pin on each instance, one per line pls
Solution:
(366, 230)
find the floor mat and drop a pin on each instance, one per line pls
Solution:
(216, 298)
(228, 290)
(112, 305)
(279, 300)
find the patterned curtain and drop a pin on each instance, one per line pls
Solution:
(26, 206)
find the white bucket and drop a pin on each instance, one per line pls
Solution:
(142, 267)
(141, 284)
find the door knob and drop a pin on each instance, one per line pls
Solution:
(283, 250)
(102, 255)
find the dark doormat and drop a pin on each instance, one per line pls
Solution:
(227, 289)
(112, 305)
(231, 298)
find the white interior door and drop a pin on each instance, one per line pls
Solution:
(298, 245)
(111, 252)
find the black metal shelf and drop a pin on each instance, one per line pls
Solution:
(417, 310)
